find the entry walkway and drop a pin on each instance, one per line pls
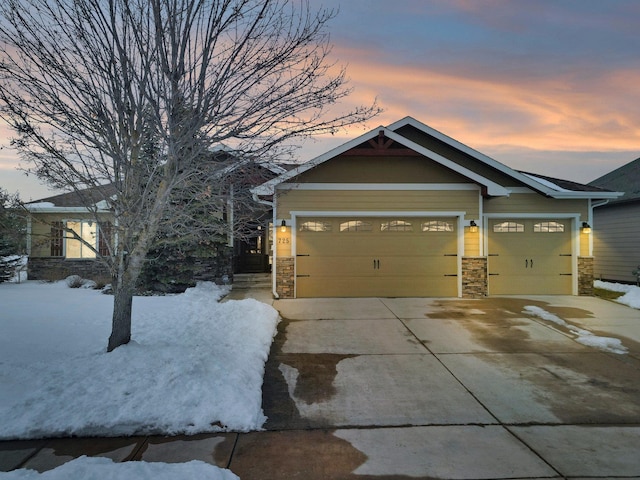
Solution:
(423, 388)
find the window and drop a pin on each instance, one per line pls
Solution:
(56, 239)
(548, 227)
(105, 232)
(508, 227)
(87, 231)
(396, 226)
(314, 226)
(437, 226)
(355, 226)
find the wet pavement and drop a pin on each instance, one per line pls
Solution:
(420, 388)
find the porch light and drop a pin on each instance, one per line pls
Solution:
(586, 228)
(473, 227)
(283, 226)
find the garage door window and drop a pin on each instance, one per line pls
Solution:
(314, 226)
(508, 227)
(437, 226)
(549, 227)
(396, 226)
(355, 226)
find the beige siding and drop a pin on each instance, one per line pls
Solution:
(283, 242)
(351, 200)
(471, 243)
(616, 242)
(346, 169)
(584, 244)
(534, 203)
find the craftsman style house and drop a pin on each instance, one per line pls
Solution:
(55, 254)
(405, 211)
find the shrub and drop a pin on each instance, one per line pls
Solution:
(74, 281)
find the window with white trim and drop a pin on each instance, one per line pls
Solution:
(437, 226)
(548, 227)
(508, 227)
(87, 231)
(356, 226)
(315, 226)
(396, 226)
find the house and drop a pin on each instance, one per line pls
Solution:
(617, 243)
(54, 255)
(406, 211)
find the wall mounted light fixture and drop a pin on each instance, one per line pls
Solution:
(283, 226)
(586, 228)
(473, 227)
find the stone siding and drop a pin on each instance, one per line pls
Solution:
(285, 280)
(585, 275)
(58, 268)
(474, 277)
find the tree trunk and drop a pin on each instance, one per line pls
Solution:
(121, 321)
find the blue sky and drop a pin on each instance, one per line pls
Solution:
(551, 87)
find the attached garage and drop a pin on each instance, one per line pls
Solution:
(364, 256)
(530, 255)
(405, 211)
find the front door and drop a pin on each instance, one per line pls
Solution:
(251, 255)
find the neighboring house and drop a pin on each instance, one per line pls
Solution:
(405, 211)
(52, 255)
(616, 244)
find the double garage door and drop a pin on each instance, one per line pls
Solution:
(376, 257)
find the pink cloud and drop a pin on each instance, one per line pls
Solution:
(571, 112)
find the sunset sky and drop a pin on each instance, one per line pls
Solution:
(546, 86)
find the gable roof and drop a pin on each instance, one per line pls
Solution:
(538, 183)
(75, 201)
(623, 179)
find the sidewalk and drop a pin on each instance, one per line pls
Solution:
(419, 388)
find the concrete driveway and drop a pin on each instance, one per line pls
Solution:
(363, 389)
(429, 388)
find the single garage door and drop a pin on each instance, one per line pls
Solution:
(529, 256)
(376, 257)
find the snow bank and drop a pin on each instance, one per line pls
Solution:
(193, 365)
(585, 337)
(631, 295)
(97, 468)
(20, 267)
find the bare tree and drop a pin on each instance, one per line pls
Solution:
(88, 85)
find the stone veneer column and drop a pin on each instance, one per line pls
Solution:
(285, 280)
(474, 277)
(585, 275)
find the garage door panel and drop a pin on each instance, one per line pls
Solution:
(354, 286)
(529, 261)
(335, 266)
(426, 265)
(376, 262)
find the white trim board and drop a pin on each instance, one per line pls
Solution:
(380, 186)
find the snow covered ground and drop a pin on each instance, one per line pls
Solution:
(631, 295)
(96, 468)
(193, 365)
